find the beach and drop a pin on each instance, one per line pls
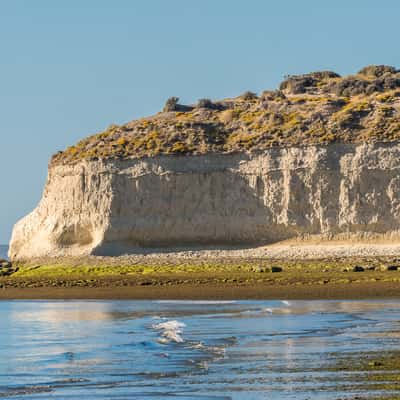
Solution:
(172, 276)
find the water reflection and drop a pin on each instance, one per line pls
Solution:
(62, 312)
(226, 350)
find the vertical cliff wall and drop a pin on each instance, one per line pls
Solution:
(110, 207)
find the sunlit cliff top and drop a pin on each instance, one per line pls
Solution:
(315, 108)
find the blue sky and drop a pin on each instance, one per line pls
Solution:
(70, 68)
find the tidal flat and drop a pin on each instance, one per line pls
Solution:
(169, 278)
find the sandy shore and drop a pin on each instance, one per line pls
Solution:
(290, 250)
(306, 251)
(305, 271)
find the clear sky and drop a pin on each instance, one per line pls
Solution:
(70, 68)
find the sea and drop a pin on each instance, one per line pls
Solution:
(3, 251)
(193, 350)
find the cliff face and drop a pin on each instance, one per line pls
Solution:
(111, 206)
(319, 156)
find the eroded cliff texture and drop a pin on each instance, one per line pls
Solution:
(111, 206)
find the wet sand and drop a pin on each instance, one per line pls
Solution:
(365, 290)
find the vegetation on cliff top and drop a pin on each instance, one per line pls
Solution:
(315, 108)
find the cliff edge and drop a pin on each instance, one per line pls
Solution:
(317, 158)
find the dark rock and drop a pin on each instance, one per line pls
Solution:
(358, 268)
(276, 269)
(205, 103)
(377, 70)
(388, 82)
(372, 88)
(297, 84)
(392, 268)
(209, 104)
(350, 87)
(5, 264)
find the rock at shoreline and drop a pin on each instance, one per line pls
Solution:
(6, 268)
(390, 268)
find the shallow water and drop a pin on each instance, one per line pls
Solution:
(187, 350)
(3, 251)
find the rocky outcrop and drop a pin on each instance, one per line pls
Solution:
(111, 206)
(312, 109)
(317, 158)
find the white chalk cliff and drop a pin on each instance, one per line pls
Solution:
(317, 158)
(112, 207)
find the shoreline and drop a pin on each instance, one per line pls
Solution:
(203, 278)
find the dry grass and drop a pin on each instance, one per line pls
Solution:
(277, 118)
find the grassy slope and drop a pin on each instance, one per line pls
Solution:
(316, 108)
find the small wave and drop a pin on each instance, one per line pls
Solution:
(171, 331)
(197, 345)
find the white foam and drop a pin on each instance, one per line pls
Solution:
(198, 345)
(171, 331)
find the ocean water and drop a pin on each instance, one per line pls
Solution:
(194, 350)
(3, 251)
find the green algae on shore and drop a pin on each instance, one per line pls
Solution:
(254, 278)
